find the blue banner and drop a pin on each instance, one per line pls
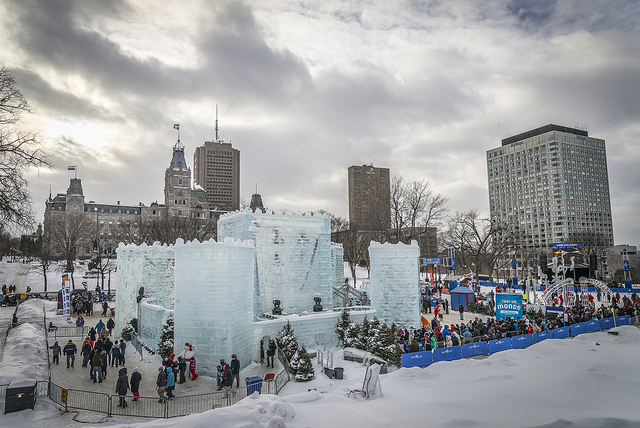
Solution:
(591, 326)
(560, 333)
(431, 261)
(578, 328)
(543, 335)
(625, 265)
(606, 323)
(417, 359)
(514, 264)
(508, 305)
(498, 345)
(524, 341)
(447, 354)
(474, 349)
(452, 263)
(624, 320)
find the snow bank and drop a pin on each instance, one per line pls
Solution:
(24, 355)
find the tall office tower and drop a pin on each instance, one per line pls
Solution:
(369, 197)
(550, 183)
(216, 168)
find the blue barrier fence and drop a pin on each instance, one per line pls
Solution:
(468, 350)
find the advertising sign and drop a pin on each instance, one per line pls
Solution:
(508, 305)
(66, 302)
(431, 261)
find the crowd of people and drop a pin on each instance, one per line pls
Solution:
(437, 335)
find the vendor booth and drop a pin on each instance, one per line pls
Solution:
(462, 295)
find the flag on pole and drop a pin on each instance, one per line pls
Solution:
(65, 278)
(176, 126)
(71, 168)
(84, 284)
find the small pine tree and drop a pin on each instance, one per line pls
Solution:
(165, 345)
(384, 345)
(303, 367)
(361, 340)
(342, 326)
(373, 338)
(352, 334)
(287, 342)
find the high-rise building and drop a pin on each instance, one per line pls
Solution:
(550, 183)
(216, 168)
(369, 197)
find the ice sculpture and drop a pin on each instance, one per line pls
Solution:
(395, 283)
(214, 300)
(293, 253)
(337, 264)
(145, 266)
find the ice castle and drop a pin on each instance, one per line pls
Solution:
(221, 294)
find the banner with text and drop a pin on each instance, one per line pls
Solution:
(508, 305)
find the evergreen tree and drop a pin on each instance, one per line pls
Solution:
(342, 326)
(165, 345)
(287, 342)
(361, 340)
(383, 345)
(351, 335)
(373, 335)
(303, 367)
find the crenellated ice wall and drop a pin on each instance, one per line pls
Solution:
(151, 321)
(214, 300)
(151, 267)
(395, 283)
(293, 257)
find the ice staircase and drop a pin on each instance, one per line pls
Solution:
(350, 296)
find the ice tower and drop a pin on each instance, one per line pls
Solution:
(395, 283)
(145, 266)
(214, 300)
(337, 264)
(293, 257)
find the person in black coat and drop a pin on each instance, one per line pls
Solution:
(235, 370)
(122, 386)
(136, 377)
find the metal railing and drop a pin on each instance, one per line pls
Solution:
(69, 331)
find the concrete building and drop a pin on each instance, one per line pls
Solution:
(548, 183)
(369, 197)
(216, 167)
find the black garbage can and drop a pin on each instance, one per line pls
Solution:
(338, 372)
(20, 395)
(329, 372)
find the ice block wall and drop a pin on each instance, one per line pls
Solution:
(214, 300)
(337, 264)
(151, 322)
(293, 257)
(395, 283)
(305, 328)
(151, 267)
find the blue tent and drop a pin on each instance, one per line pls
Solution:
(462, 295)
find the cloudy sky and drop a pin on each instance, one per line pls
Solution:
(307, 88)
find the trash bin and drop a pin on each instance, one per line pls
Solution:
(20, 395)
(338, 372)
(253, 384)
(329, 372)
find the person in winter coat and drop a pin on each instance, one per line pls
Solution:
(92, 334)
(86, 348)
(182, 367)
(219, 375)
(136, 377)
(415, 346)
(70, 350)
(271, 351)
(434, 343)
(99, 326)
(235, 369)
(122, 386)
(161, 383)
(110, 325)
(192, 369)
(171, 382)
(107, 348)
(97, 366)
(115, 355)
(56, 351)
(461, 310)
(123, 347)
(227, 380)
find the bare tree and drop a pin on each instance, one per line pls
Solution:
(18, 152)
(592, 242)
(481, 241)
(414, 208)
(167, 230)
(44, 254)
(68, 233)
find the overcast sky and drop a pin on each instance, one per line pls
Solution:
(307, 88)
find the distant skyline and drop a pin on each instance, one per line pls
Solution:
(306, 89)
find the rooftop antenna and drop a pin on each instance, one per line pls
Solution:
(217, 122)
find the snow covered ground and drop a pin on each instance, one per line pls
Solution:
(591, 380)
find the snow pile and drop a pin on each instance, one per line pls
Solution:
(25, 355)
(31, 310)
